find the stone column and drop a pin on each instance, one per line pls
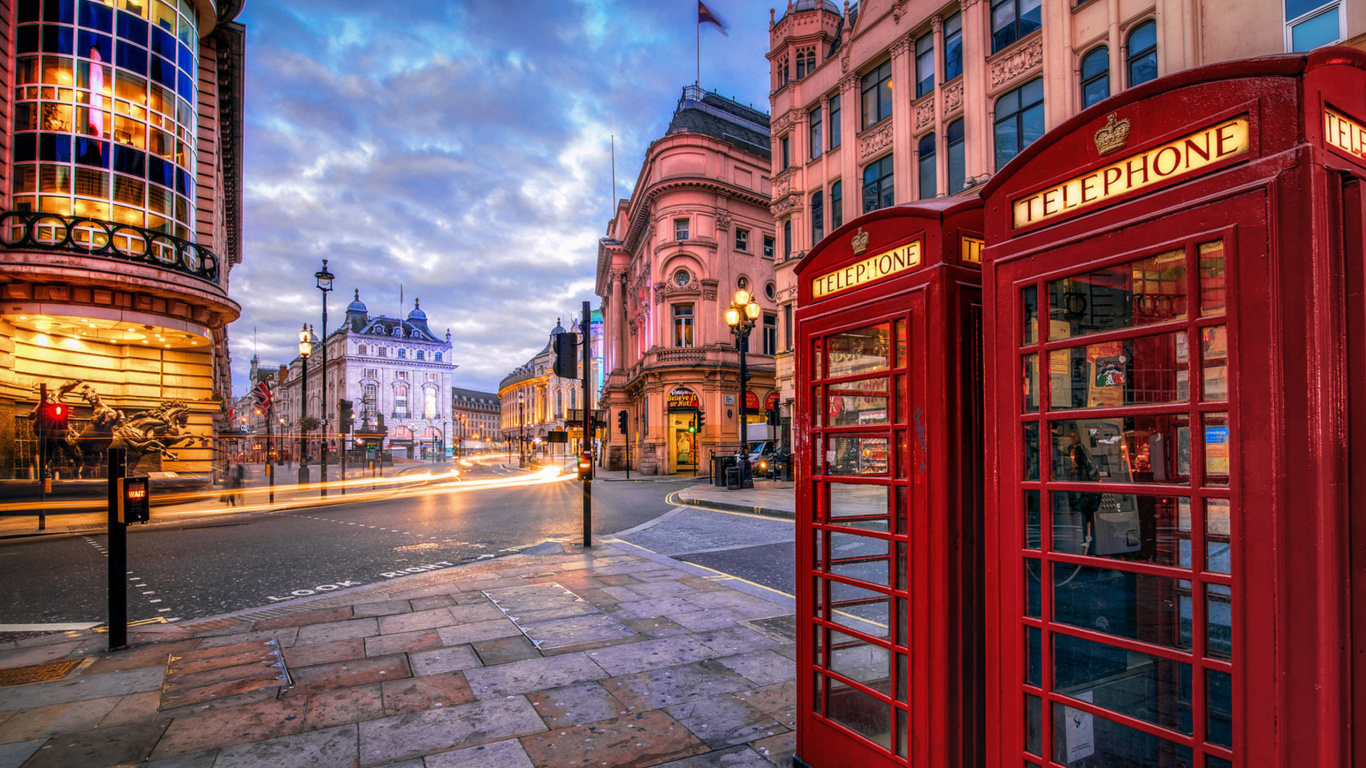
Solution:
(903, 118)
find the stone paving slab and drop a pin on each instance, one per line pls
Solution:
(82, 688)
(532, 675)
(327, 748)
(500, 754)
(407, 736)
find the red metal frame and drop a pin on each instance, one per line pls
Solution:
(928, 570)
(1290, 215)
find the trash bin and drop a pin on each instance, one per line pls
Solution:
(732, 478)
(719, 465)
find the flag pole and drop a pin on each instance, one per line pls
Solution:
(698, 82)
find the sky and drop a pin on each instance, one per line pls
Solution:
(461, 150)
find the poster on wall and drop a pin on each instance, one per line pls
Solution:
(751, 401)
(684, 446)
(1106, 365)
(683, 399)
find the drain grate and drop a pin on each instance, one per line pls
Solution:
(216, 673)
(36, 673)
(782, 628)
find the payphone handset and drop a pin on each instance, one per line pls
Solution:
(1117, 528)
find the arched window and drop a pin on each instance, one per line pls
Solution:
(1095, 76)
(817, 216)
(1019, 120)
(928, 169)
(573, 398)
(878, 188)
(559, 404)
(429, 409)
(957, 162)
(401, 403)
(1143, 53)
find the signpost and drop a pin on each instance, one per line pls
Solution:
(587, 430)
(129, 502)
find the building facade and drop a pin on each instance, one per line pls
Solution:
(395, 368)
(891, 102)
(476, 420)
(120, 176)
(535, 402)
(696, 229)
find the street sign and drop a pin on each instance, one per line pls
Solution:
(557, 437)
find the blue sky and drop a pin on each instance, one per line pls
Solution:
(460, 149)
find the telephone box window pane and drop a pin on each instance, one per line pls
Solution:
(1141, 686)
(860, 661)
(857, 403)
(1217, 762)
(1033, 657)
(849, 500)
(862, 351)
(1029, 298)
(1125, 526)
(1217, 449)
(860, 557)
(902, 561)
(901, 509)
(817, 700)
(1033, 726)
(1033, 572)
(1218, 548)
(1143, 292)
(1031, 507)
(1219, 708)
(901, 361)
(819, 357)
(1212, 279)
(903, 619)
(857, 456)
(1031, 449)
(861, 713)
(1219, 621)
(903, 735)
(1142, 371)
(1031, 383)
(1136, 606)
(860, 609)
(818, 550)
(1214, 356)
(1129, 449)
(1082, 740)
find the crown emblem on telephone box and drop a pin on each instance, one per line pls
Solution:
(859, 241)
(1112, 136)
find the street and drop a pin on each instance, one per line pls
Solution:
(223, 563)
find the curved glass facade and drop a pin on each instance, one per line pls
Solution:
(104, 117)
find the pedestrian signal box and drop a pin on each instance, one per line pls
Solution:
(134, 500)
(585, 466)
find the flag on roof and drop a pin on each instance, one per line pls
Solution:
(705, 16)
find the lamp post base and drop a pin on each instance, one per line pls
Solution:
(303, 474)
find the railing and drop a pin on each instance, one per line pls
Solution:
(28, 230)
(680, 355)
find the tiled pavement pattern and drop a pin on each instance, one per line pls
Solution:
(429, 672)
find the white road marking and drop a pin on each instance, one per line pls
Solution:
(68, 627)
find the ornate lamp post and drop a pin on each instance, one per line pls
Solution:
(521, 428)
(324, 279)
(740, 316)
(305, 350)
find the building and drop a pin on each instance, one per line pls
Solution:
(535, 402)
(476, 420)
(696, 229)
(120, 183)
(906, 102)
(394, 369)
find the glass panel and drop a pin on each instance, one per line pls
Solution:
(1219, 708)
(1218, 549)
(1141, 686)
(849, 553)
(902, 562)
(1217, 762)
(1033, 637)
(1031, 451)
(1218, 621)
(861, 609)
(1212, 278)
(902, 676)
(901, 361)
(862, 351)
(1120, 525)
(1033, 593)
(1136, 606)
(1033, 725)
(1217, 449)
(1084, 740)
(857, 456)
(1151, 290)
(1031, 505)
(1320, 30)
(903, 618)
(1129, 449)
(849, 500)
(817, 700)
(819, 357)
(902, 510)
(1214, 357)
(818, 549)
(856, 403)
(1031, 384)
(863, 714)
(859, 660)
(903, 735)
(1130, 372)
(1029, 299)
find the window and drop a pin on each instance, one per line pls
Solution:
(680, 229)
(878, 189)
(787, 326)
(372, 373)
(957, 163)
(814, 120)
(806, 62)
(787, 238)
(771, 291)
(834, 121)
(768, 246)
(836, 205)
(368, 398)
(438, 357)
(741, 239)
(924, 65)
(401, 375)
(420, 354)
(682, 325)
(401, 404)
(785, 152)
(953, 47)
(1312, 23)
(1095, 76)
(1019, 120)
(817, 217)
(383, 352)
(402, 354)
(928, 169)
(559, 403)
(360, 349)
(877, 94)
(770, 334)
(1143, 53)
(429, 410)
(1012, 20)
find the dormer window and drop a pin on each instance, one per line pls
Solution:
(398, 330)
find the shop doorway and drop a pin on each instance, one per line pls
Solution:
(682, 442)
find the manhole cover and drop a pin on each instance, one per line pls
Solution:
(216, 673)
(778, 627)
(36, 673)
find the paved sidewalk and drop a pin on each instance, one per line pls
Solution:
(557, 657)
(767, 497)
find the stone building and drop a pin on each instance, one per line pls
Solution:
(535, 402)
(476, 420)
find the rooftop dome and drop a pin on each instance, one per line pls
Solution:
(814, 5)
(558, 329)
(357, 305)
(417, 315)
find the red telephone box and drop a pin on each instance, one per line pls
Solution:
(888, 457)
(1174, 378)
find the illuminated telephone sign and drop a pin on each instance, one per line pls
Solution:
(135, 500)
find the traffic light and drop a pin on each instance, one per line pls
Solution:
(692, 426)
(567, 355)
(344, 416)
(52, 419)
(585, 466)
(700, 421)
(621, 421)
(773, 416)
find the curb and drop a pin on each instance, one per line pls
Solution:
(729, 507)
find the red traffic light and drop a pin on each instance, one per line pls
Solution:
(585, 466)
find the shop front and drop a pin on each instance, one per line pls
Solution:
(683, 407)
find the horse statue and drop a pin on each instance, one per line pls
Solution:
(144, 433)
(155, 431)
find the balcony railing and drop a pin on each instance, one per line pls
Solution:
(34, 231)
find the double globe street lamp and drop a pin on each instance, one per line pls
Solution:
(324, 279)
(305, 351)
(741, 316)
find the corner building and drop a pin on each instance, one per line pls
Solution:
(890, 101)
(695, 230)
(120, 214)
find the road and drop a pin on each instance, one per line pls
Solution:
(223, 564)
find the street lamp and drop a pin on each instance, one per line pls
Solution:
(305, 350)
(740, 316)
(324, 279)
(521, 428)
